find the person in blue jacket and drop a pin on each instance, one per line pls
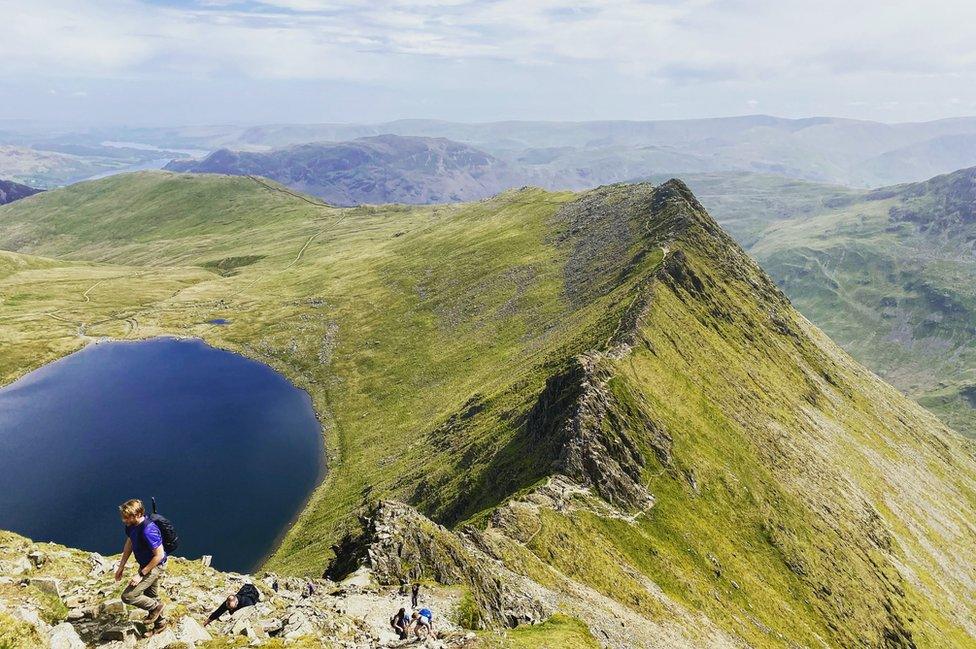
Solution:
(423, 620)
(143, 540)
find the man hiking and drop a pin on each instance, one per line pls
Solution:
(145, 541)
(248, 595)
(423, 620)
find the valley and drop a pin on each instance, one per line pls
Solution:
(888, 274)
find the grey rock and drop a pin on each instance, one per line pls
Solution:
(99, 565)
(162, 639)
(190, 631)
(48, 585)
(76, 614)
(64, 636)
(123, 633)
(298, 625)
(17, 566)
(112, 607)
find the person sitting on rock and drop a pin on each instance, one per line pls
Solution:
(400, 623)
(248, 595)
(423, 620)
(145, 541)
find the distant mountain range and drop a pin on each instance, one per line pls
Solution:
(380, 169)
(49, 165)
(576, 155)
(11, 191)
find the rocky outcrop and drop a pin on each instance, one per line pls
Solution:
(591, 440)
(67, 599)
(400, 545)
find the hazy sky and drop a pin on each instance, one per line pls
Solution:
(196, 61)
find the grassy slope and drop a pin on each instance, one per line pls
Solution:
(804, 499)
(799, 487)
(899, 299)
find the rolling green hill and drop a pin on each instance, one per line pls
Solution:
(598, 394)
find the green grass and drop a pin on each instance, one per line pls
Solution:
(15, 634)
(801, 498)
(555, 633)
(899, 298)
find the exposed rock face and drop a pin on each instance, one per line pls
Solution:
(401, 546)
(593, 444)
(317, 612)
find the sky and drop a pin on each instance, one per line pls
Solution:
(174, 62)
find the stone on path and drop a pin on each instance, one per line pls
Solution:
(48, 585)
(190, 631)
(64, 636)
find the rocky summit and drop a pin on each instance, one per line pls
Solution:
(52, 596)
(579, 419)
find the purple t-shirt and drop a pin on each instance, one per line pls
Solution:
(145, 538)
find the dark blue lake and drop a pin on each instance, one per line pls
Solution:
(229, 448)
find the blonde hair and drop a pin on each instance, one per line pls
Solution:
(132, 509)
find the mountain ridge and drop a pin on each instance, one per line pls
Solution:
(601, 392)
(375, 169)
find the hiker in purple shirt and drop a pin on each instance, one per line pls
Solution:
(145, 541)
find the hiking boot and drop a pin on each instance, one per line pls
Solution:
(154, 613)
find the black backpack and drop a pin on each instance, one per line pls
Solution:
(171, 539)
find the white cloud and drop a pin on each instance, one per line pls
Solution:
(738, 47)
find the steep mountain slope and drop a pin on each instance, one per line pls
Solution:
(890, 275)
(381, 169)
(596, 404)
(11, 191)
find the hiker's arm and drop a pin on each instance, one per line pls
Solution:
(158, 555)
(126, 551)
(216, 614)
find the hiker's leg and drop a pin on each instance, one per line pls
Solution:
(137, 595)
(153, 589)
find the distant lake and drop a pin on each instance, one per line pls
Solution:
(229, 448)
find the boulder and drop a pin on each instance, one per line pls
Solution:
(76, 614)
(74, 601)
(17, 566)
(190, 631)
(37, 558)
(99, 565)
(123, 633)
(48, 585)
(64, 636)
(30, 616)
(162, 639)
(273, 626)
(113, 607)
(297, 625)
(248, 629)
